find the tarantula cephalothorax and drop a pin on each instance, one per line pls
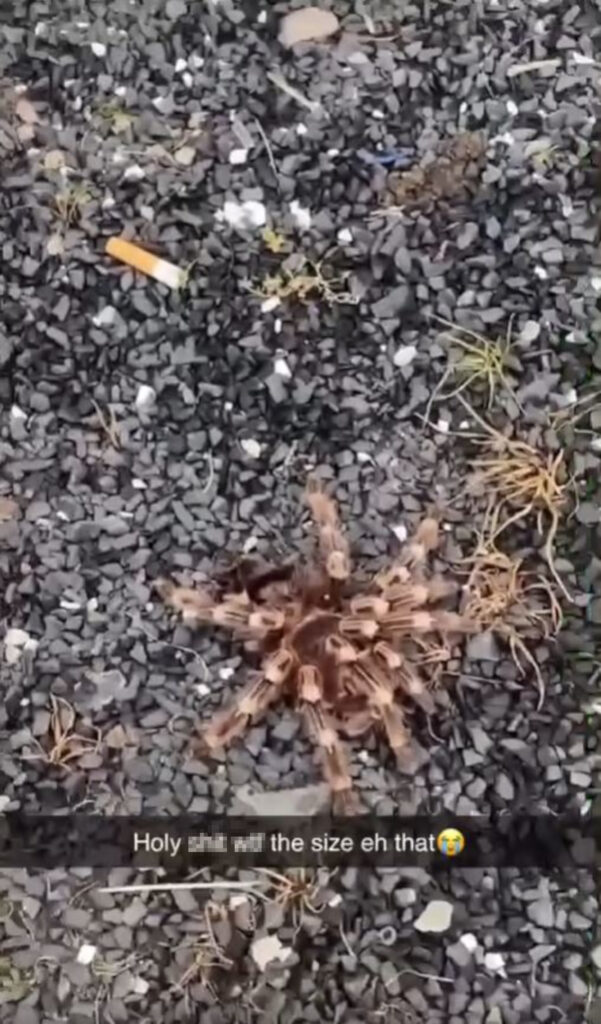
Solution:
(349, 657)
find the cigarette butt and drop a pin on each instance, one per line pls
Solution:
(146, 262)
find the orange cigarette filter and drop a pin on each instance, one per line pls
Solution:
(146, 262)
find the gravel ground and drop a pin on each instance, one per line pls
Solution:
(146, 431)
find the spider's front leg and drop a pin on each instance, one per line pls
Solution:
(333, 544)
(236, 612)
(226, 725)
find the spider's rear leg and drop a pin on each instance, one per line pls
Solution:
(195, 606)
(377, 684)
(254, 700)
(404, 676)
(323, 733)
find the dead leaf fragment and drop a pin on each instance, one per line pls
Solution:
(116, 738)
(55, 246)
(185, 156)
(26, 111)
(54, 160)
(8, 509)
(308, 24)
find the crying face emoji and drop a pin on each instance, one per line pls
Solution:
(450, 842)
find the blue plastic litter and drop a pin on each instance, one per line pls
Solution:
(395, 158)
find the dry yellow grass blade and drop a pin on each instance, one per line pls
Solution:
(513, 603)
(481, 361)
(523, 481)
(66, 745)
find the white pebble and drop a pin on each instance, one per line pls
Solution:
(400, 532)
(15, 642)
(582, 58)
(86, 954)
(596, 284)
(226, 672)
(541, 273)
(567, 207)
(404, 355)
(147, 213)
(442, 426)
(180, 65)
(301, 129)
(120, 90)
(512, 107)
(269, 304)
(435, 918)
(134, 173)
(494, 962)
(98, 49)
(105, 317)
(138, 485)
(345, 236)
(378, 114)
(17, 415)
(195, 62)
(185, 155)
(469, 941)
(187, 80)
(262, 17)
(203, 690)
(250, 214)
(251, 447)
(332, 152)
(40, 28)
(302, 216)
(530, 331)
(281, 366)
(238, 156)
(145, 398)
(464, 425)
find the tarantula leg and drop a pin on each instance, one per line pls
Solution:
(253, 701)
(333, 755)
(391, 658)
(332, 542)
(341, 650)
(415, 688)
(450, 622)
(226, 725)
(415, 595)
(355, 628)
(195, 606)
(266, 620)
(408, 622)
(374, 607)
(422, 543)
(398, 735)
(395, 576)
(404, 675)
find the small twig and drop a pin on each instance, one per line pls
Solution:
(111, 429)
(270, 156)
(174, 886)
(281, 83)
(346, 943)
(419, 974)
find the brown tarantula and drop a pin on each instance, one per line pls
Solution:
(345, 654)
